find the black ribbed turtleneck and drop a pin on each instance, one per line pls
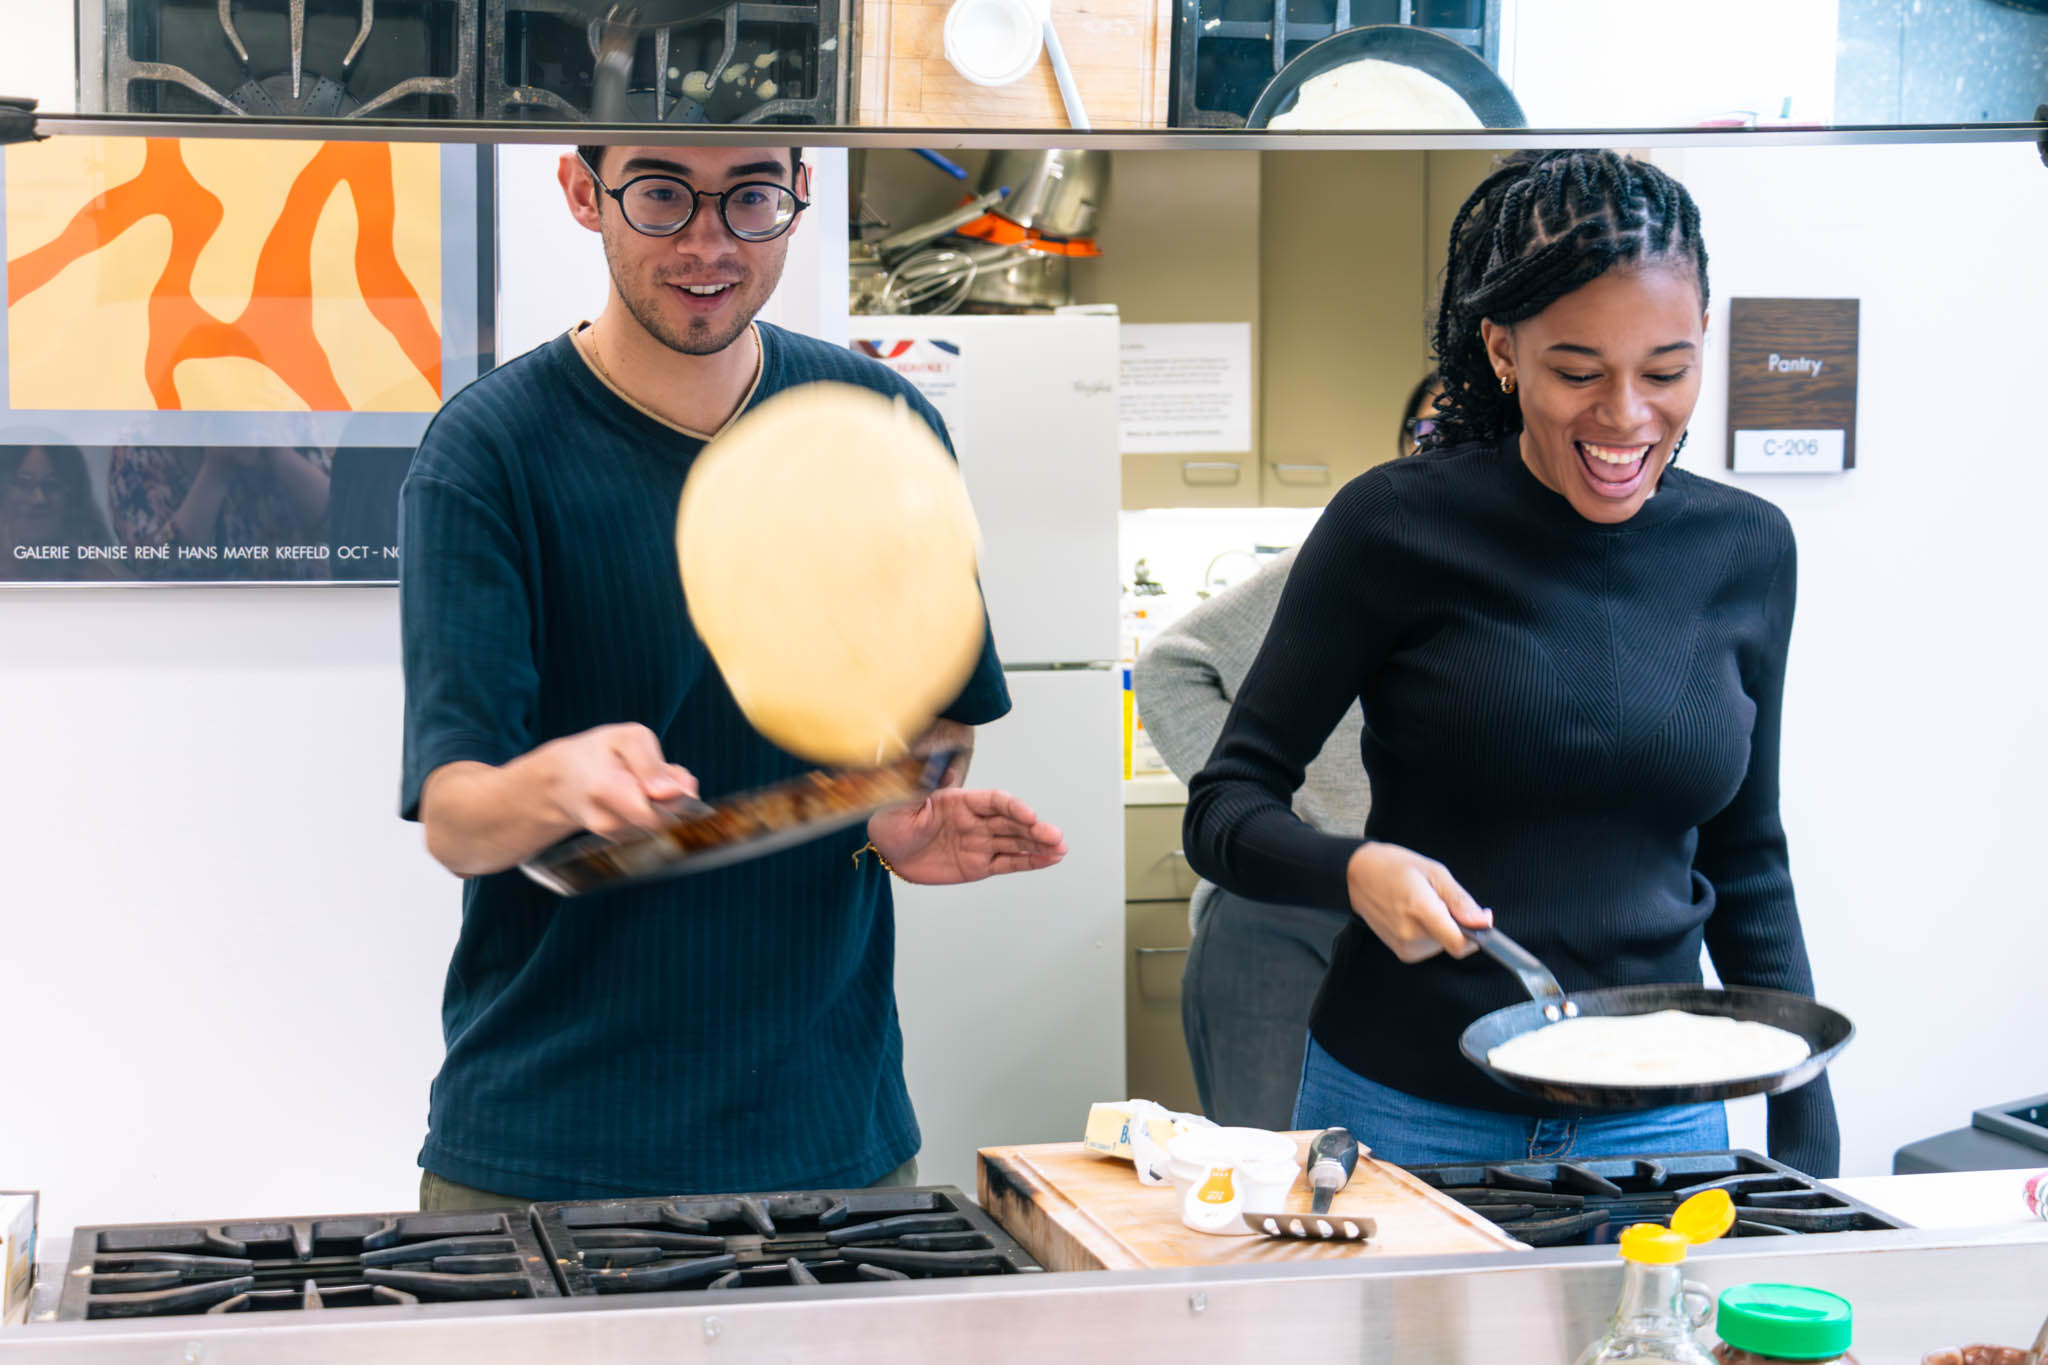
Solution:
(1580, 721)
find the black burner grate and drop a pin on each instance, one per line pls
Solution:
(629, 1246)
(176, 1269)
(749, 63)
(1580, 1203)
(309, 58)
(1226, 51)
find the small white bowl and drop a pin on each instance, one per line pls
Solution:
(994, 42)
(1264, 1165)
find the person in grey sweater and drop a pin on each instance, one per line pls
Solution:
(1254, 967)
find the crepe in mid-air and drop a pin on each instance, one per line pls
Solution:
(828, 555)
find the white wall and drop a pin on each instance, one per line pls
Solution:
(1915, 736)
(38, 47)
(220, 950)
(1668, 63)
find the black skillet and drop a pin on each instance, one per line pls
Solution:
(1430, 53)
(701, 836)
(1826, 1031)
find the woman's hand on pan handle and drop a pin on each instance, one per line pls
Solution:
(1413, 903)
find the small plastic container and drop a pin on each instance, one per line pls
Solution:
(1764, 1324)
(1217, 1173)
(994, 42)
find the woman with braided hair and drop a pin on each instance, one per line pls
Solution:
(1570, 657)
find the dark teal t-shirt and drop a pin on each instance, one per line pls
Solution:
(726, 1032)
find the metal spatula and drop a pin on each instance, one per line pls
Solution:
(1332, 1157)
(1306, 1227)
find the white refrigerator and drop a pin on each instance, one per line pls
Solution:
(1011, 990)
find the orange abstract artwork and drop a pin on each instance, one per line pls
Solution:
(232, 275)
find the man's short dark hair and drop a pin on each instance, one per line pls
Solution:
(594, 157)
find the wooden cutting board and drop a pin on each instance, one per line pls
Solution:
(1075, 1210)
(1121, 52)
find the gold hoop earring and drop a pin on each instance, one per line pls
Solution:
(1507, 383)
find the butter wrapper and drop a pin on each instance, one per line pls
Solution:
(17, 1253)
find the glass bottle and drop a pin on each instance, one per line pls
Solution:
(1654, 1322)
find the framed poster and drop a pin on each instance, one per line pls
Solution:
(218, 354)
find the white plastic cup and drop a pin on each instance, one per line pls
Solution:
(994, 42)
(1264, 1166)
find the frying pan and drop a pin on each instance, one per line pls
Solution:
(1826, 1031)
(1428, 52)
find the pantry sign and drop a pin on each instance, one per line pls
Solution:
(1792, 386)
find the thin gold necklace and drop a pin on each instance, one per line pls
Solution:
(596, 359)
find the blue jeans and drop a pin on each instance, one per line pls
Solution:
(1409, 1131)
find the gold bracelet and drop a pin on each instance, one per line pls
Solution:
(869, 847)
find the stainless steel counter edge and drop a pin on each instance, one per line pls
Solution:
(1913, 1291)
(56, 123)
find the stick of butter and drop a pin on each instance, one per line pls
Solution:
(1109, 1128)
(1137, 1131)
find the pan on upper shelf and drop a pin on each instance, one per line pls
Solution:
(1403, 45)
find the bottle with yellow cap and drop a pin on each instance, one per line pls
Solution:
(1654, 1322)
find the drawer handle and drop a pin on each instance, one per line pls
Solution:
(1155, 952)
(1209, 473)
(1181, 872)
(1308, 473)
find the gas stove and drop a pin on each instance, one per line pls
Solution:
(578, 1248)
(1585, 1203)
(628, 1246)
(280, 1264)
(751, 62)
(273, 58)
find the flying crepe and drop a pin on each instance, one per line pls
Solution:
(828, 554)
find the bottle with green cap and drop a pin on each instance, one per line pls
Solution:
(1655, 1320)
(1763, 1323)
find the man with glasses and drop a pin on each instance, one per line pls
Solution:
(730, 1032)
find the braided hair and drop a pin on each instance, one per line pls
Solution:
(1541, 225)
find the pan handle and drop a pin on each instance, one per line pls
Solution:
(1535, 977)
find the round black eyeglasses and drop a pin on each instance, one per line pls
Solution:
(663, 205)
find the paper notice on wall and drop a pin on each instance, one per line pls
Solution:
(1185, 387)
(932, 365)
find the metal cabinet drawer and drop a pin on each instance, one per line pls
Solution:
(1155, 868)
(1155, 1048)
(1152, 480)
